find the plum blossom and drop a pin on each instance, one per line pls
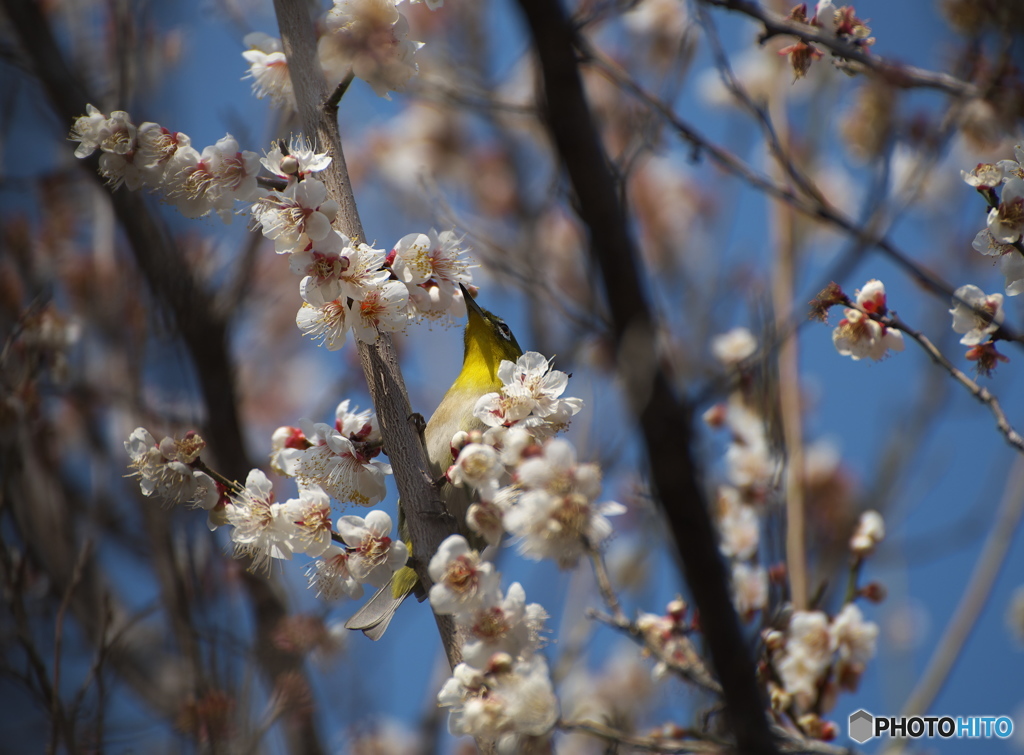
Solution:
(323, 263)
(310, 519)
(854, 640)
(86, 131)
(749, 588)
(330, 575)
(368, 38)
(381, 310)
(324, 320)
(374, 556)
(1006, 221)
(985, 175)
(295, 162)
(164, 472)
(975, 327)
(805, 657)
(300, 214)
(268, 69)
(364, 273)
(432, 266)
(502, 625)
(556, 515)
(732, 347)
(479, 466)
(869, 533)
(858, 336)
(343, 466)
(530, 397)
(462, 582)
(507, 700)
(259, 529)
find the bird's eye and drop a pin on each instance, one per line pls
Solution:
(504, 330)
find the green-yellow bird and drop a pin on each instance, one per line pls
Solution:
(488, 341)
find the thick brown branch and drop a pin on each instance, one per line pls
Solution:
(665, 421)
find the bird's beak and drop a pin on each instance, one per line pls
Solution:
(471, 305)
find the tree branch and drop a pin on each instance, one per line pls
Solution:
(665, 421)
(424, 511)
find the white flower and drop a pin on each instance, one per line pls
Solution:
(324, 320)
(164, 472)
(286, 445)
(966, 320)
(869, 533)
(356, 425)
(479, 466)
(268, 69)
(985, 175)
(858, 336)
(86, 131)
(381, 310)
(364, 273)
(807, 653)
(374, 556)
(556, 516)
(529, 397)
(260, 531)
(732, 347)
(852, 637)
(503, 702)
(368, 37)
(156, 147)
(987, 245)
(214, 180)
(300, 214)
(502, 625)
(297, 162)
(343, 467)
(749, 588)
(740, 528)
(188, 182)
(310, 518)
(323, 261)
(1006, 222)
(462, 582)
(330, 575)
(432, 267)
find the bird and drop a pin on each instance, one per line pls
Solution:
(487, 342)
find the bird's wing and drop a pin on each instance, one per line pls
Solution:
(373, 618)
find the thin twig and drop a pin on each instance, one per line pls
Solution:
(822, 211)
(650, 744)
(979, 392)
(58, 637)
(896, 74)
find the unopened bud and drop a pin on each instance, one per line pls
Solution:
(289, 165)
(874, 592)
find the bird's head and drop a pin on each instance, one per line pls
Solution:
(488, 341)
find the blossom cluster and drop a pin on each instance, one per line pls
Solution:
(815, 656)
(362, 38)
(153, 157)
(1002, 185)
(859, 334)
(752, 469)
(345, 285)
(839, 22)
(502, 690)
(527, 483)
(166, 470)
